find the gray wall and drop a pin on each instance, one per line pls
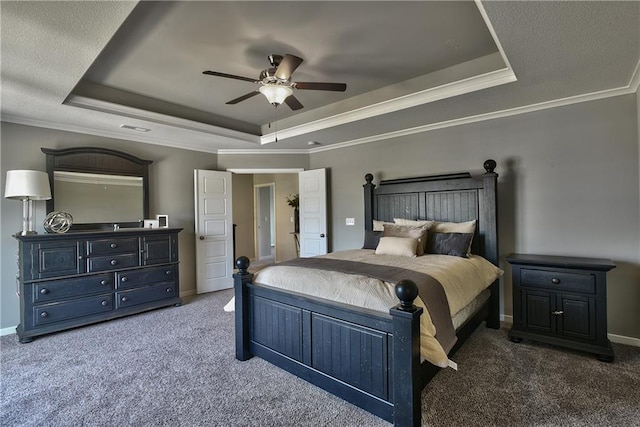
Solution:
(569, 185)
(171, 193)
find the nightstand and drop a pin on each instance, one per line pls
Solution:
(561, 301)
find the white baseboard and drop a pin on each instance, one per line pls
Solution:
(8, 331)
(621, 339)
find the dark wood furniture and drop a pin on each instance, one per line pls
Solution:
(368, 358)
(101, 161)
(74, 279)
(561, 301)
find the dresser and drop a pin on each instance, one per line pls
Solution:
(561, 301)
(74, 279)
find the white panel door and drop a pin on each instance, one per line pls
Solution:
(313, 212)
(214, 230)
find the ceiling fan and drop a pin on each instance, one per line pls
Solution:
(275, 82)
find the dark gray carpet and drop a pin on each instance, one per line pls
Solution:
(176, 367)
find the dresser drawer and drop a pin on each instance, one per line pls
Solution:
(143, 277)
(577, 282)
(112, 246)
(50, 313)
(62, 289)
(112, 262)
(144, 295)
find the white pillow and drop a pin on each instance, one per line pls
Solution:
(401, 221)
(418, 232)
(454, 227)
(399, 246)
(379, 225)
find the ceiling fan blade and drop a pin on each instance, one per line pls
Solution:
(243, 97)
(230, 76)
(288, 66)
(293, 102)
(336, 87)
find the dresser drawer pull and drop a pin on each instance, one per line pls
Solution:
(44, 314)
(169, 290)
(114, 262)
(123, 279)
(168, 272)
(557, 313)
(113, 246)
(555, 281)
(103, 282)
(44, 291)
(124, 299)
(104, 303)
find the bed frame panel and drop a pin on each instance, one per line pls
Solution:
(368, 358)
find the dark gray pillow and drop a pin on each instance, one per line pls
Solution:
(455, 244)
(371, 239)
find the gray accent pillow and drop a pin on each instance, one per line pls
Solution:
(371, 239)
(455, 244)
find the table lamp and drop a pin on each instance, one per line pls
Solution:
(27, 185)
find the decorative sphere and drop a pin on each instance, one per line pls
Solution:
(490, 165)
(58, 222)
(242, 263)
(406, 291)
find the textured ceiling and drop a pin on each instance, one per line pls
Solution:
(409, 66)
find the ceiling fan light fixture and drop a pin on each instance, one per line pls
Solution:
(276, 94)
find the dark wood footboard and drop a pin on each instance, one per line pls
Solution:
(365, 357)
(368, 358)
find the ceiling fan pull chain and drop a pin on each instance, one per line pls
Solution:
(275, 123)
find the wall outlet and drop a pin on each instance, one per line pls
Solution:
(350, 221)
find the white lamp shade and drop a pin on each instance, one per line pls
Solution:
(27, 184)
(276, 94)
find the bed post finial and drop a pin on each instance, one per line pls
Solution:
(369, 178)
(242, 263)
(407, 292)
(490, 165)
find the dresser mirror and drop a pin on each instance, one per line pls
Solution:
(99, 187)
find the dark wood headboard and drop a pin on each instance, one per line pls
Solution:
(454, 197)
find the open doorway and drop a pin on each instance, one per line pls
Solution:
(265, 221)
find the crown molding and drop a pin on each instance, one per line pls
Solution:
(479, 118)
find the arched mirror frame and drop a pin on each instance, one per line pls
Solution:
(100, 161)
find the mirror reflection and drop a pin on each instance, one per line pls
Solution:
(96, 198)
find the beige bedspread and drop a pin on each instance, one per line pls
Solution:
(462, 279)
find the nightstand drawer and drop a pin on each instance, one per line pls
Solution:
(577, 282)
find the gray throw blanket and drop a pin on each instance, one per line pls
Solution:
(429, 289)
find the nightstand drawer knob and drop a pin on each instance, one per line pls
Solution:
(44, 314)
(44, 291)
(123, 279)
(124, 299)
(113, 246)
(555, 281)
(104, 303)
(557, 313)
(114, 262)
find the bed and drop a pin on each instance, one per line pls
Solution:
(368, 357)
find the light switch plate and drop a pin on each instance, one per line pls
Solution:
(350, 221)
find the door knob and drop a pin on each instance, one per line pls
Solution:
(321, 234)
(201, 237)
